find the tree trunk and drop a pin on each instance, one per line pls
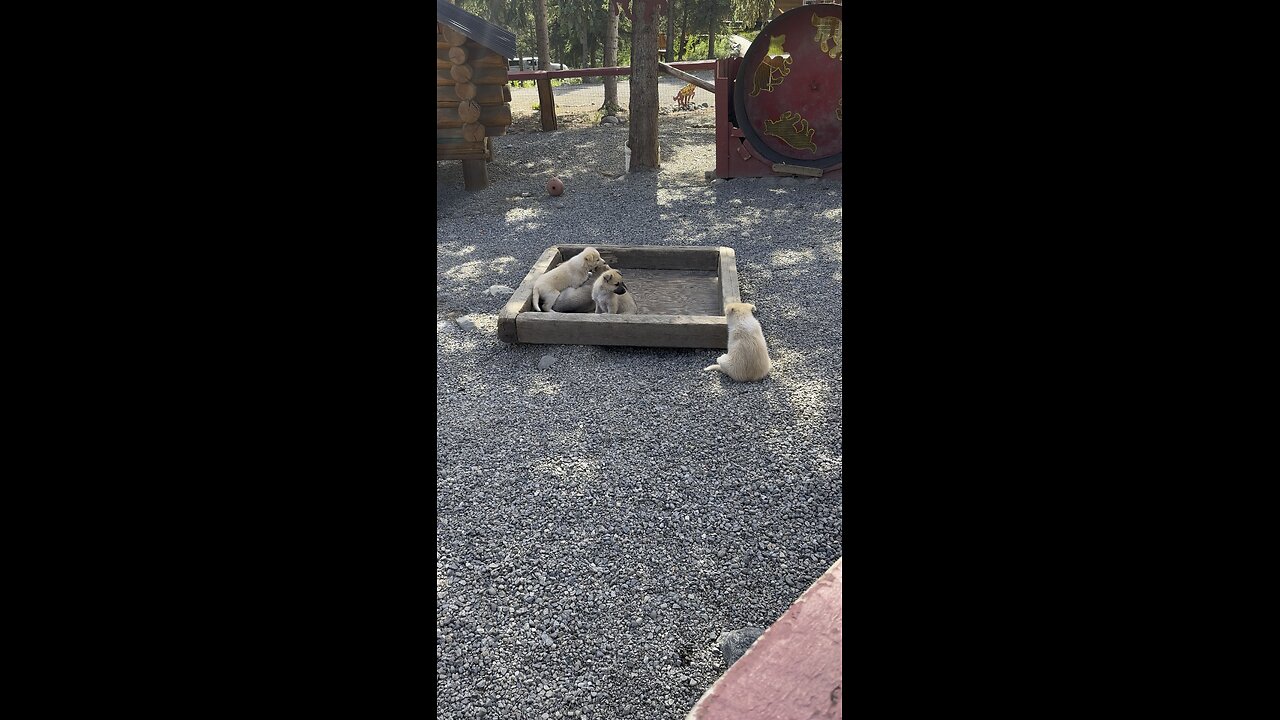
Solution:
(684, 27)
(540, 28)
(712, 16)
(611, 60)
(644, 87)
(671, 31)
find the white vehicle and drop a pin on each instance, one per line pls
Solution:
(531, 63)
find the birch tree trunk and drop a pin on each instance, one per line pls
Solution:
(644, 87)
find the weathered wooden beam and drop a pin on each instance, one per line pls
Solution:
(474, 56)
(728, 277)
(694, 79)
(489, 115)
(797, 170)
(547, 103)
(455, 135)
(479, 76)
(653, 257)
(520, 301)
(701, 331)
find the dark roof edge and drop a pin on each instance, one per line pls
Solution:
(497, 39)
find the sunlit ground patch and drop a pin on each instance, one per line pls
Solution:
(478, 270)
(792, 257)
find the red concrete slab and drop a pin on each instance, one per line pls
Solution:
(793, 672)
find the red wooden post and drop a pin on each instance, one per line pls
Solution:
(794, 670)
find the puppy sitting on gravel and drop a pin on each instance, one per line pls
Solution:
(569, 274)
(611, 295)
(748, 356)
(579, 299)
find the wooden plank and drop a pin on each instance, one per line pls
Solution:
(489, 115)
(797, 170)
(458, 147)
(453, 136)
(674, 292)
(728, 277)
(471, 54)
(547, 103)
(697, 331)
(453, 101)
(795, 669)
(479, 76)
(694, 79)
(520, 301)
(653, 257)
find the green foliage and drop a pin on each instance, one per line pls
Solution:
(695, 46)
(748, 11)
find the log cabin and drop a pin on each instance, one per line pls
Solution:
(473, 101)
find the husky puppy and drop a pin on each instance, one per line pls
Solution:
(748, 356)
(579, 299)
(569, 274)
(611, 295)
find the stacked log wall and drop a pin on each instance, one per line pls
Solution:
(472, 96)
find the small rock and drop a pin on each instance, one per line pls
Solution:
(546, 362)
(609, 119)
(736, 643)
(466, 323)
(496, 290)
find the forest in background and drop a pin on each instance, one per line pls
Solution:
(577, 29)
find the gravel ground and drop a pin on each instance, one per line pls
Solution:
(600, 523)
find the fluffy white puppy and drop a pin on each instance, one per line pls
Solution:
(611, 294)
(748, 356)
(579, 299)
(569, 274)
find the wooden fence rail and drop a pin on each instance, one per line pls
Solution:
(547, 101)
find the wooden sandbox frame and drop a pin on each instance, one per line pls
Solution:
(519, 323)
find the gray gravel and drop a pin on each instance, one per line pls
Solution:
(602, 521)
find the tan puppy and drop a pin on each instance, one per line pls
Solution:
(748, 356)
(579, 299)
(569, 274)
(611, 295)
